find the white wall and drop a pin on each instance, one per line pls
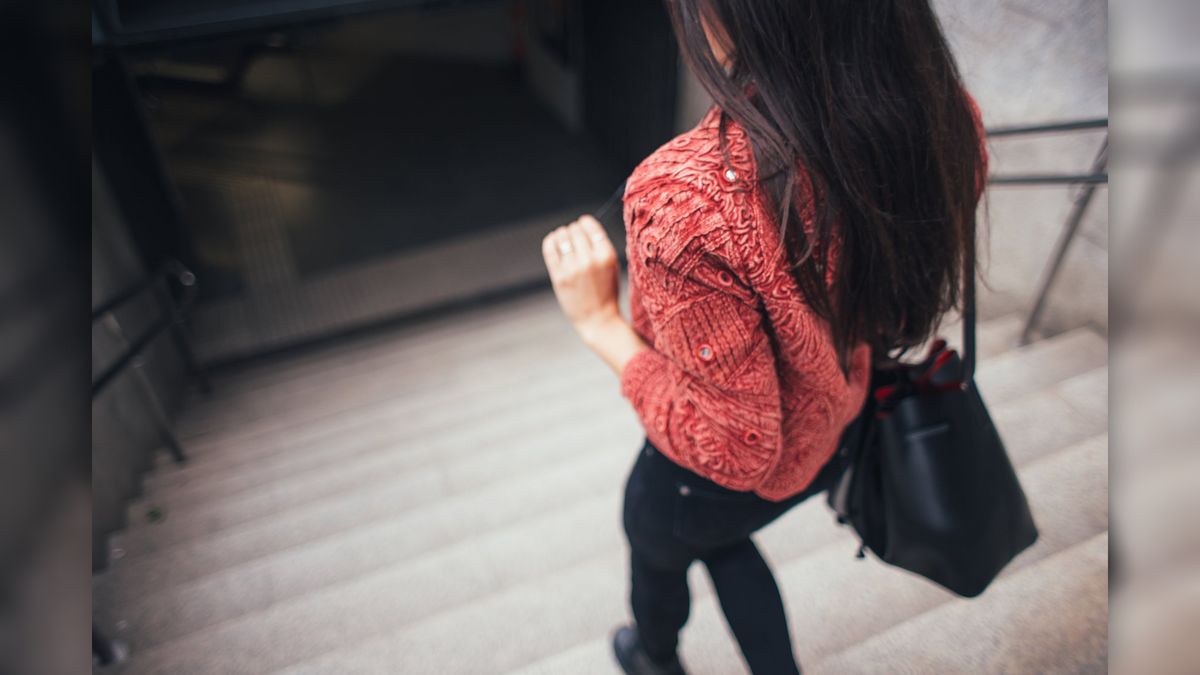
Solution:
(1029, 61)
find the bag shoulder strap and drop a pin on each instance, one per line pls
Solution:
(968, 315)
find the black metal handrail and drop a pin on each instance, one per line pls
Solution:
(170, 318)
(1048, 127)
(105, 650)
(1096, 177)
(134, 350)
(1090, 181)
(1050, 179)
(125, 296)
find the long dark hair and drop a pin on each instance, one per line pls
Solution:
(861, 127)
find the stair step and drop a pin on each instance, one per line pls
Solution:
(435, 384)
(250, 495)
(484, 397)
(425, 410)
(836, 601)
(305, 455)
(442, 438)
(257, 380)
(1041, 364)
(992, 338)
(261, 377)
(401, 367)
(407, 590)
(233, 422)
(1053, 417)
(1069, 498)
(361, 527)
(370, 458)
(424, 468)
(434, 600)
(369, 529)
(401, 420)
(1049, 618)
(182, 609)
(323, 518)
(590, 658)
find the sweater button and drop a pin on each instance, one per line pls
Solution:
(705, 352)
(751, 437)
(730, 175)
(724, 278)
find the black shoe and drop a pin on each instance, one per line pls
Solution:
(633, 658)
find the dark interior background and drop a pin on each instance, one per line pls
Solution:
(214, 113)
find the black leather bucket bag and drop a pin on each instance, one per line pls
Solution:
(929, 486)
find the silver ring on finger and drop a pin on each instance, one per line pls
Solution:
(564, 247)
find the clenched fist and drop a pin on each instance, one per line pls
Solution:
(583, 270)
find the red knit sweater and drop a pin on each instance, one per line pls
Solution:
(741, 384)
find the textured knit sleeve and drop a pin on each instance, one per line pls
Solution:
(707, 392)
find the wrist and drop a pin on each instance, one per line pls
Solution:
(602, 328)
(613, 339)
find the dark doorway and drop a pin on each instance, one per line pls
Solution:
(630, 75)
(353, 169)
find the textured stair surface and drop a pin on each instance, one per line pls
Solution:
(1051, 618)
(834, 602)
(445, 498)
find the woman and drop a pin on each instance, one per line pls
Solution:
(816, 219)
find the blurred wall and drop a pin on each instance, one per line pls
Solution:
(124, 433)
(1029, 61)
(693, 100)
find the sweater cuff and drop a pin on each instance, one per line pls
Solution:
(640, 367)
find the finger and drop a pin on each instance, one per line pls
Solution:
(563, 240)
(568, 254)
(596, 234)
(562, 260)
(550, 251)
(579, 241)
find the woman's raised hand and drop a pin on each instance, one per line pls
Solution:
(583, 270)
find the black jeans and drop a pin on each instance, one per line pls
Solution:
(672, 517)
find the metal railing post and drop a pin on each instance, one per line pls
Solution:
(170, 318)
(161, 420)
(1070, 228)
(187, 280)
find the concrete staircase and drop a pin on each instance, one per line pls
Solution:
(446, 499)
